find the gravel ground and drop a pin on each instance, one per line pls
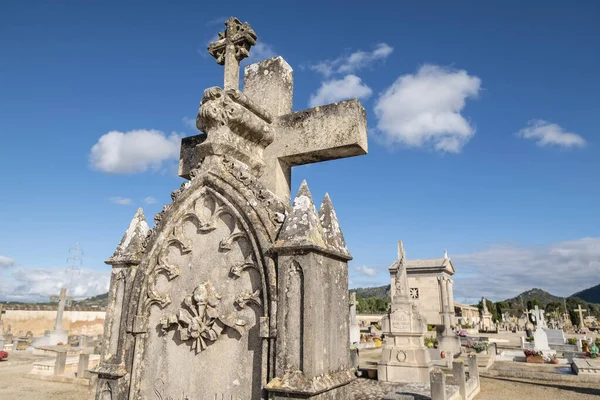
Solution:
(15, 386)
(516, 389)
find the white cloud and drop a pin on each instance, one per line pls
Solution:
(190, 123)
(504, 271)
(149, 200)
(6, 262)
(340, 89)
(366, 271)
(216, 21)
(134, 151)
(549, 134)
(37, 284)
(124, 201)
(424, 109)
(354, 62)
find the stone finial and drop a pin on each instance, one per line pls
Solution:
(232, 47)
(302, 227)
(129, 250)
(332, 233)
(446, 254)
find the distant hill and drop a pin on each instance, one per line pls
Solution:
(540, 295)
(591, 295)
(100, 301)
(379, 292)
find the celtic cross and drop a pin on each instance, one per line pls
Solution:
(232, 47)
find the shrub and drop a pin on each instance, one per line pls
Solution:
(572, 340)
(430, 341)
(3, 355)
(481, 346)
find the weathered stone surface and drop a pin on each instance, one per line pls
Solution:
(232, 46)
(129, 250)
(271, 84)
(224, 299)
(332, 233)
(301, 140)
(302, 227)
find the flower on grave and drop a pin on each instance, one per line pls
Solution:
(462, 332)
(532, 353)
(3, 355)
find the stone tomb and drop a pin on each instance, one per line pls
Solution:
(404, 357)
(234, 294)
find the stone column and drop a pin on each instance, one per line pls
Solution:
(437, 380)
(312, 336)
(473, 367)
(82, 367)
(451, 301)
(60, 363)
(458, 371)
(444, 312)
(119, 324)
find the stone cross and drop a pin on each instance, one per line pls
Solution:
(318, 134)
(63, 300)
(232, 47)
(580, 311)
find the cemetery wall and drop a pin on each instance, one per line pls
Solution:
(38, 321)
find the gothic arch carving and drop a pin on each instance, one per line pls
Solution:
(213, 204)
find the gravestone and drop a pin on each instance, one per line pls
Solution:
(555, 336)
(234, 294)
(404, 358)
(354, 328)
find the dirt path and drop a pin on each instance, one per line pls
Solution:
(516, 389)
(15, 386)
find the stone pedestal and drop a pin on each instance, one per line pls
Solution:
(405, 358)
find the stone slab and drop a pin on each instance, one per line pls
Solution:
(46, 367)
(586, 366)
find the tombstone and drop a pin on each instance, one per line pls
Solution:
(235, 294)
(555, 336)
(404, 358)
(354, 328)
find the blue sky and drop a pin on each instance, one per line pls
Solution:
(482, 131)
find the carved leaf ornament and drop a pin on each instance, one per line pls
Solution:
(196, 319)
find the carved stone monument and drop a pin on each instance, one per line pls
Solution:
(58, 334)
(234, 294)
(486, 323)
(404, 357)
